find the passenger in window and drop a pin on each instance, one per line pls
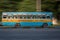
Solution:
(5, 16)
(43, 17)
(48, 17)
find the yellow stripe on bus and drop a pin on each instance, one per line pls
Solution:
(19, 20)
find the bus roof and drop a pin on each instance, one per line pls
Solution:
(29, 13)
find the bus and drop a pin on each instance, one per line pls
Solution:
(26, 19)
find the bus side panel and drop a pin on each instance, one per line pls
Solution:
(31, 24)
(34, 24)
(50, 23)
(23, 24)
(8, 24)
(26, 24)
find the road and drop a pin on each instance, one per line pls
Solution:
(30, 34)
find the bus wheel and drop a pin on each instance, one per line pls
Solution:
(1, 25)
(17, 25)
(45, 25)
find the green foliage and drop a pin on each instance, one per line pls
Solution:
(7, 6)
(17, 5)
(27, 5)
(48, 5)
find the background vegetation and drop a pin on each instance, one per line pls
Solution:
(17, 5)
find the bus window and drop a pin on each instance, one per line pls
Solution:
(28, 17)
(38, 17)
(15, 16)
(43, 16)
(33, 17)
(4, 16)
(9, 17)
(24, 16)
(48, 17)
(21, 16)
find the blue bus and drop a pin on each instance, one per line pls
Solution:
(26, 19)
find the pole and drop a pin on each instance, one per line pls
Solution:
(38, 5)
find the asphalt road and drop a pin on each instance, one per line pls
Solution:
(30, 34)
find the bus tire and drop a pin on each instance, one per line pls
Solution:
(1, 25)
(45, 25)
(17, 25)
